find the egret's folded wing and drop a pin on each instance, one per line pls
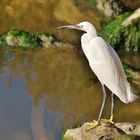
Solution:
(107, 67)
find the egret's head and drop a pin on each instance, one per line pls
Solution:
(84, 26)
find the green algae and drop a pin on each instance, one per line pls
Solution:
(121, 37)
(27, 40)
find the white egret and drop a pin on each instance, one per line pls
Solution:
(106, 65)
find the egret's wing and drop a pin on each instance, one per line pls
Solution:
(107, 67)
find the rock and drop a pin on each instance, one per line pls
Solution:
(111, 7)
(129, 128)
(73, 134)
(11, 40)
(131, 18)
(49, 40)
(104, 131)
(26, 40)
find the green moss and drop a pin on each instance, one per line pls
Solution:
(132, 34)
(120, 37)
(27, 40)
(3, 41)
(19, 38)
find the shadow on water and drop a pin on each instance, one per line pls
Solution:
(45, 91)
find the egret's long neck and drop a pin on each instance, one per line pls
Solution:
(87, 37)
(92, 32)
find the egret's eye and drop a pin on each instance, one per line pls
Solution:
(81, 26)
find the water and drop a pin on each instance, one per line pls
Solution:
(45, 91)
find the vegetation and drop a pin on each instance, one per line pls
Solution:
(27, 40)
(122, 37)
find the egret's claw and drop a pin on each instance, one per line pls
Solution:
(91, 125)
(105, 121)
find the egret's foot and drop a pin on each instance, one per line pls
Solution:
(105, 121)
(111, 120)
(91, 125)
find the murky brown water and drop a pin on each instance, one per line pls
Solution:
(45, 91)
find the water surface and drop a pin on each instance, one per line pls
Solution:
(45, 91)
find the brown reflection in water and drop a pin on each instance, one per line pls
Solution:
(37, 123)
(59, 74)
(69, 86)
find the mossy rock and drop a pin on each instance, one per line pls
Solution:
(121, 37)
(27, 40)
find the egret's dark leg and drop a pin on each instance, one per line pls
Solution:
(103, 103)
(112, 107)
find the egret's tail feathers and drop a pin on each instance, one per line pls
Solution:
(131, 97)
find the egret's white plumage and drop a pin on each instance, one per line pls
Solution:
(106, 65)
(104, 62)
